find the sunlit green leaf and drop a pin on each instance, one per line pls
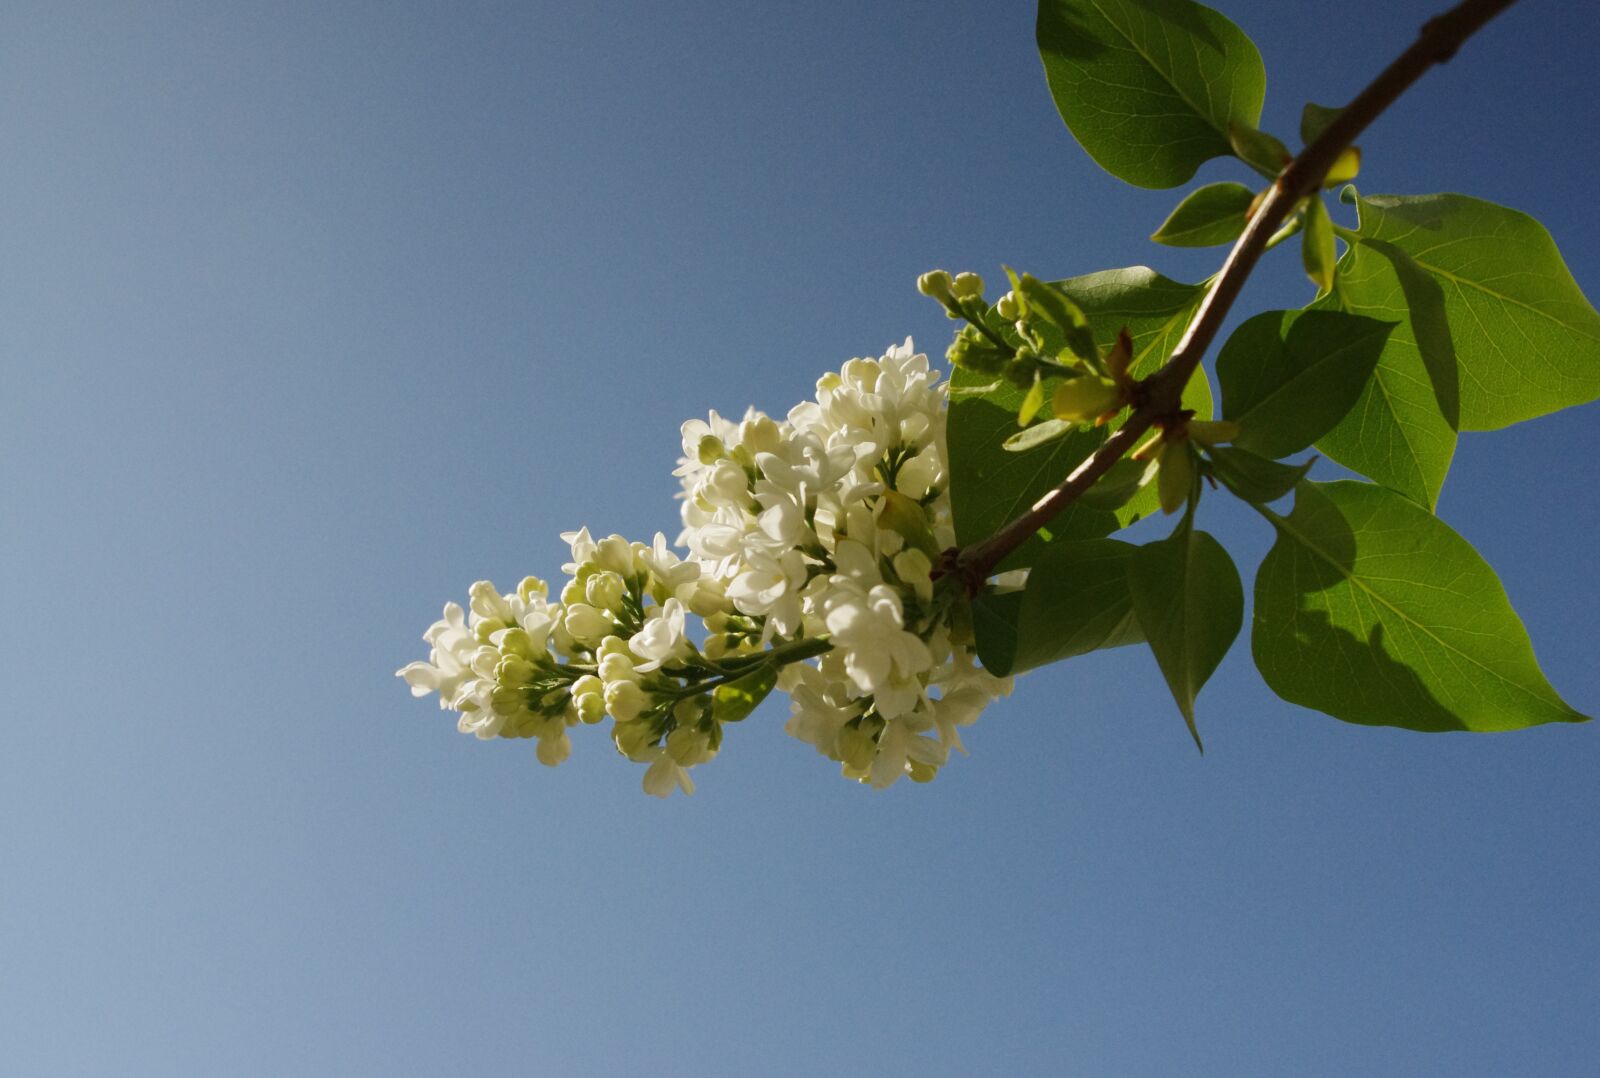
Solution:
(1155, 310)
(1526, 339)
(1317, 248)
(1401, 431)
(1259, 150)
(1253, 478)
(1188, 600)
(1209, 215)
(1037, 435)
(1372, 610)
(1149, 87)
(1314, 120)
(990, 485)
(1288, 377)
(1076, 601)
(738, 698)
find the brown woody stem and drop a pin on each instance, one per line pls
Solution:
(1162, 392)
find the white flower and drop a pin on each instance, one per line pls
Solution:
(664, 774)
(882, 659)
(904, 740)
(661, 638)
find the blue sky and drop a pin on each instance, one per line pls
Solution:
(310, 315)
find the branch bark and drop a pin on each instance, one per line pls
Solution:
(1437, 42)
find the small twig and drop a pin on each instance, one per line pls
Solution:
(1437, 42)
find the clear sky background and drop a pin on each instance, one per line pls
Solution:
(312, 314)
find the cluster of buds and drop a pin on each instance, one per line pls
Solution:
(809, 549)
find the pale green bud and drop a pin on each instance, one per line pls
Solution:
(625, 700)
(1009, 307)
(856, 748)
(1213, 431)
(632, 738)
(553, 750)
(590, 708)
(710, 449)
(572, 592)
(487, 628)
(916, 569)
(589, 687)
(761, 435)
(532, 586)
(615, 553)
(937, 285)
(514, 670)
(689, 747)
(508, 700)
(1090, 397)
(617, 669)
(605, 591)
(518, 642)
(967, 286)
(1175, 480)
(921, 772)
(587, 625)
(614, 645)
(708, 599)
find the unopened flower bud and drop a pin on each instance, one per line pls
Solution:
(615, 553)
(532, 586)
(1089, 397)
(1213, 431)
(615, 669)
(632, 738)
(689, 746)
(936, 284)
(1009, 307)
(761, 435)
(856, 747)
(967, 286)
(710, 450)
(1175, 480)
(553, 750)
(587, 625)
(605, 591)
(625, 700)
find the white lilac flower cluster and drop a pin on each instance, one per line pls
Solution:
(811, 544)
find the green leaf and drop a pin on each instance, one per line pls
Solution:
(1372, 610)
(1209, 215)
(1401, 431)
(1526, 339)
(1253, 478)
(1032, 401)
(1317, 249)
(1037, 435)
(1076, 601)
(1190, 604)
(738, 698)
(1059, 309)
(1155, 310)
(1288, 377)
(989, 486)
(1149, 87)
(1259, 150)
(1118, 486)
(1314, 120)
